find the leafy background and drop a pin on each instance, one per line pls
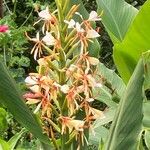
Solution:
(20, 16)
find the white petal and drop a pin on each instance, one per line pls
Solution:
(93, 60)
(77, 13)
(30, 80)
(35, 53)
(35, 89)
(80, 89)
(90, 99)
(45, 14)
(91, 80)
(42, 62)
(56, 84)
(37, 108)
(78, 27)
(94, 16)
(72, 67)
(97, 113)
(49, 39)
(38, 36)
(92, 34)
(98, 85)
(77, 124)
(71, 23)
(32, 101)
(64, 88)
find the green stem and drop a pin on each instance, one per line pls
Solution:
(64, 139)
(71, 139)
(54, 109)
(61, 19)
(15, 6)
(69, 44)
(70, 52)
(4, 55)
(53, 124)
(70, 35)
(62, 64)
(53, 139)
(50, 51)
(7, 7)
(72, 61)
(27, 18)
(51, 65)
(65, 6)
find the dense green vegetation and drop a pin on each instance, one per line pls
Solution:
(74, 74)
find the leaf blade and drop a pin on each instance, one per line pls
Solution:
(11, 98)
(128, 119)
(127, 53)
(117, 16)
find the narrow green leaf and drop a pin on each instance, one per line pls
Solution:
(127, 53)
(117, 16)
(128, 119)
(11, 98)
(4, 145)
(147, 138)
(13, 141)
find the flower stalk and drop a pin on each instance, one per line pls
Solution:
(62, 88)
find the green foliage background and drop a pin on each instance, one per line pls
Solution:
(20, 16)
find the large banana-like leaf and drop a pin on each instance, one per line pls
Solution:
(137, 41)
(11, 98)
(117, 16)
(127, 123)
(112, 89)
(100, 132)
(146, 58)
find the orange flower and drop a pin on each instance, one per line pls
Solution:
(48, 18)
(84, 35)
(84, 58)
(96, 113)
(71, 124)
(72, 97)
(49, 40)
(37, 49)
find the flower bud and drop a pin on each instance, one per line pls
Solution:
(4, 28)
